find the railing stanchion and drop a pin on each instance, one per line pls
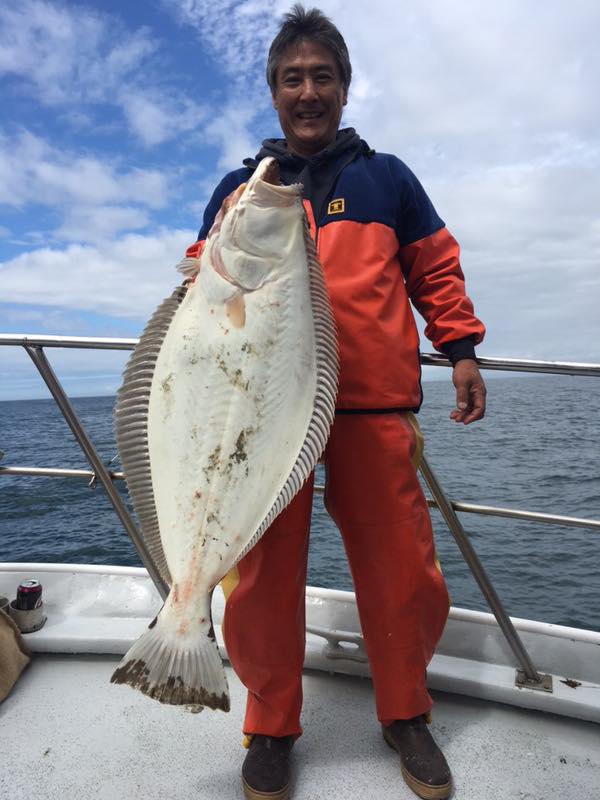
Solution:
(43, 365)
(479, 573)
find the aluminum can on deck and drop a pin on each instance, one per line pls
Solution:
(29, 595)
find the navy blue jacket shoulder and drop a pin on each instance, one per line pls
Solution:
(379, 188)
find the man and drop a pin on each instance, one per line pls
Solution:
(380, 242)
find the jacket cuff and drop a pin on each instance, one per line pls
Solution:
(459, 349)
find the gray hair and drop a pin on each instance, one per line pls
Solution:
(299, 24)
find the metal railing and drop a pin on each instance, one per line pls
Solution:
(527, 676)
(466, 508)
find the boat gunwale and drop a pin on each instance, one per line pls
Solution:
(320, 593)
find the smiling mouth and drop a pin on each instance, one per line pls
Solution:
(308, 115)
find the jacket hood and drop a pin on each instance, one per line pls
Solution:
(317, 174)
(347, 140)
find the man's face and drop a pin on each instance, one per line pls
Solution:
(309, 97)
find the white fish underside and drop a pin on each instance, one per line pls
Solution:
(254, 386)
(241, 400)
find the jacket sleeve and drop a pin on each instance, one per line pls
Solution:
(436, 285)
(430, 259)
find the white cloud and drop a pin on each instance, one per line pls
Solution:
(126, 277)
(473, 83)
(236, 33)
(94, 198)
(98, 224)
(230, 132)
(155, 119)
(237, 36)
(32, 170)
(72, 55)
(68, 52)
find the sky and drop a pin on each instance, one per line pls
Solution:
(118, 119)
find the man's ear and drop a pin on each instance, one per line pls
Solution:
(273, 101)
(345, 101)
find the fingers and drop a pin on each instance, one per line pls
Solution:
(463, 404)
(458, 416)
(477, 409)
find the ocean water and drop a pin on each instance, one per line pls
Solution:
(536, 449)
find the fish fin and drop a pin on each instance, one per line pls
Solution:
(131, 425)
(187, 672)
(189, 266)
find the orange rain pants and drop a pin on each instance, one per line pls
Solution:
(374, 497)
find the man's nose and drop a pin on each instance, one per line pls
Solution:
(308, 89)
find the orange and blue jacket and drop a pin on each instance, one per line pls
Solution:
(382, 245)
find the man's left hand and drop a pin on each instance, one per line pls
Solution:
(470, 392)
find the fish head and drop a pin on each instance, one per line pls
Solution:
(256, 228)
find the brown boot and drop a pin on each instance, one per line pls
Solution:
(423, 765)
(266, 768)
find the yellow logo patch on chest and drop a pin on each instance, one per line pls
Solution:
(337, 206)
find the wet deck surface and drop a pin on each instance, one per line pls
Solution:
(67, 732)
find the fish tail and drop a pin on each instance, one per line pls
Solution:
(178, 671)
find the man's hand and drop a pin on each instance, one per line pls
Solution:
(470, 392)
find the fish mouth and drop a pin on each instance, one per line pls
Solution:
(272, 174)
(265, 187)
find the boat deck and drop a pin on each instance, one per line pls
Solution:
(69, 733)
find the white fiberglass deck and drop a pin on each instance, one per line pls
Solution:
(69, 733)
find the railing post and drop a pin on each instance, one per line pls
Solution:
(479, 573)
(41, 362)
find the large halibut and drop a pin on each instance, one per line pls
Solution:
(225, 408)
